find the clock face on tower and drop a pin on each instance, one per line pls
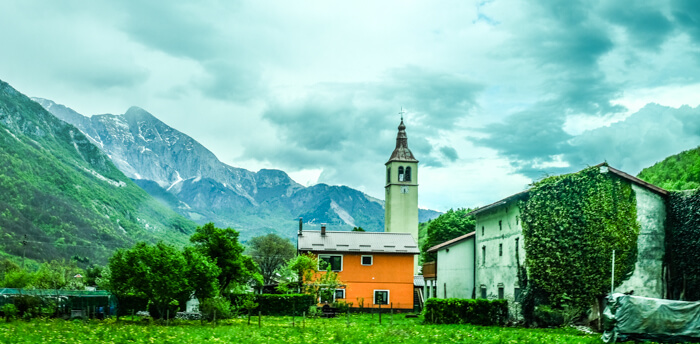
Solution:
(404, 189)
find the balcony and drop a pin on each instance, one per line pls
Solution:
(430, 270)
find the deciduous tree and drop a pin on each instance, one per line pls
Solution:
(270, 252)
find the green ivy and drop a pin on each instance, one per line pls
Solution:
(571, 224)
(682, 242)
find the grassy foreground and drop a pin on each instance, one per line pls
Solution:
(359, 329)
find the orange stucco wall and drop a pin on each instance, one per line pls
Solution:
(393, 272)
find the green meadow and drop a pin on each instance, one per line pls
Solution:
(363, 328)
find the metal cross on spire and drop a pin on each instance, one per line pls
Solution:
(401, 113)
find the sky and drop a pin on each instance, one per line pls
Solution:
(495, 94)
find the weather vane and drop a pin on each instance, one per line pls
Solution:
(401, 113)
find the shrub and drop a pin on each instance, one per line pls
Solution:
(10, 312)
(28, 306)
(128, 304)
(215, 305)
(277, 304)
(466, 311)
(546, 316)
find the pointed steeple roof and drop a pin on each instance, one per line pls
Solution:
(401, 152)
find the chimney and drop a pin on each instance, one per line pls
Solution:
(323, 229)
(301, 220)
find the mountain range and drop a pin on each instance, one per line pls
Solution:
(184, 175)
(62, 197)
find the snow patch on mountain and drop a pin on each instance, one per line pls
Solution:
(119, 184)
(178, 180)
(343, 214)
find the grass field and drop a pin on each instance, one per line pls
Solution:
(359, 329)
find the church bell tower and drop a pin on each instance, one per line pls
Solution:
(401, 196)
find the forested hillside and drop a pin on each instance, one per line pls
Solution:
(677, 172)
(62, 197)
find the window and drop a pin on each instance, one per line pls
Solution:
(400, 173)
(500, 292)
(381, 297)
(500, 250)
(483, 255)
(407, 177)
(339, 294)
(435, 290)
(517, 245)
(388, 175)
(517, 219)
(500, 225)
(482, 230)
(334, 261)
(366, 260)
(483, 291)
(516, 294)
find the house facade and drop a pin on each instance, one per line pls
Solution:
(499, 245)
(376, 268)
(454, 273)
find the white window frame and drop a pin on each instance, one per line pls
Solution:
(362, 258)
(388, 296)
(339, 289)
(342, 259)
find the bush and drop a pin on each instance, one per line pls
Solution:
(128, 304)
(466, 311)
(215, 305)
(277, 304)
(28, 306)
(546, 316)
(10, 312)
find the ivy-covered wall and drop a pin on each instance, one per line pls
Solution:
(683, 245)
(571, 224)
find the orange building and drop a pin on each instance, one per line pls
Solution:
(375, 267)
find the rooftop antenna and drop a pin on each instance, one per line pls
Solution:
(401, 113)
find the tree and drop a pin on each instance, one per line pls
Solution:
(358, 229)
(58, 275)
(270, 252)
(222, 247)
(308, 278)
(446, 227)
(161, 273)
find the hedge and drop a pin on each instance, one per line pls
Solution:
(466, 311)
(278, 304)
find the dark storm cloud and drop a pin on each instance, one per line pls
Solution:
(567, 42)
(645, 23)
(687, 14)
(199, 32)
(175, 28)
(449, 153)
(344, 126)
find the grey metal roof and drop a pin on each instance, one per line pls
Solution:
(449, 243)
(375, 242)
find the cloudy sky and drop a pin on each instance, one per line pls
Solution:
(496, 94)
